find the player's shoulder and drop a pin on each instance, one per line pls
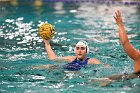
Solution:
(70, 58)
(93, 61)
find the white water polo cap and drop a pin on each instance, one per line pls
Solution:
(83, 43)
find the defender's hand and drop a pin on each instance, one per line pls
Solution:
(118, 17)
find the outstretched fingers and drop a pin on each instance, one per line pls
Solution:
(119, 13)
(116, 14)
(115, 18)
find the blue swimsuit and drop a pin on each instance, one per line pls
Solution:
(76, 64)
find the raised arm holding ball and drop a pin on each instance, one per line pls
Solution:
(74, 62)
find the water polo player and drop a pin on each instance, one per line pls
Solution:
(74, 62)
(132, 52)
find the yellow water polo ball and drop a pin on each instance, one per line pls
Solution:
(46, 31)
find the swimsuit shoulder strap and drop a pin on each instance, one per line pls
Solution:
(86, 61)
(74, 61)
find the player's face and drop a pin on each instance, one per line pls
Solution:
(81, 52)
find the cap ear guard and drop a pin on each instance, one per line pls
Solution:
(84, 43)
(87, 49)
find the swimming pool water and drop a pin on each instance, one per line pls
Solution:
(21, 47)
